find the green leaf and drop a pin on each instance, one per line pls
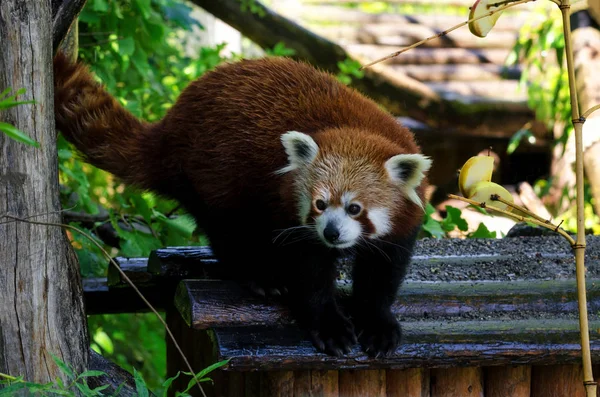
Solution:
(140, 384)
(144, 7)
(126, 46)
(201, 375)
(14, 133)
(63, 367)
(482, 232)
(88, 373)
(183, 224)
(455, 217)
(100, 5)
(167, 384)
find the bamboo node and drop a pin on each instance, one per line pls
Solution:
(575, 246)
(590, 383)
(580, 120)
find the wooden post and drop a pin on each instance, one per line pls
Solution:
(316, 383)
(412, 382)
(557, 381)
(457, 382)
(362, 383)
(41, 294)
(514, 381)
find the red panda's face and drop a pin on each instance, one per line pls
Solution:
(345, 191)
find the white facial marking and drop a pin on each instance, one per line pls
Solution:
(347, 198)
(380, 218)
(348, 228)
(304, 206)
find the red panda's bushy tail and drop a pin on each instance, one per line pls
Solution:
(108, 135)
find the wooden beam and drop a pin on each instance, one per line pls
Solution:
(426, 344)
(513, 381)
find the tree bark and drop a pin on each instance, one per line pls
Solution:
(400, 94)
(41, 310)
(586, 53)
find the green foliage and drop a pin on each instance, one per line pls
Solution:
(450, 223)
(349, 69)
(9, 101)
(281, 50)
(254, 7)
(113, 336)
(540, 51)
(78, 386)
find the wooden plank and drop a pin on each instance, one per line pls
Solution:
(425, 344)
(99, 298)
(403, 35)
(277, 383)
(316, 383)
(498, 90)
(252, 384)
(426, 56)
(502, 381)
(557, 381)
(410, 382)
(334, 14)
(213, 303)
(365, 383)
(458, 72)
(457, 382)
(542, 258)
(135, 268)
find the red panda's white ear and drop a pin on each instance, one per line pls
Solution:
(408, 170)
(300, 148)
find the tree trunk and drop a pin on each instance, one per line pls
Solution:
(586, 48)
(41, 301)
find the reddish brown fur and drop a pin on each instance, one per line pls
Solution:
(221, 138)
(217, 151)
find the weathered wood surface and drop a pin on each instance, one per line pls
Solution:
(457, 382)
(503, 381)
(42, 301)
(332, 14)
(64, 13)
(115, 377)
(425, 344)
(403, 35)
(458, 72)
(410, 382)
(207, 304)
(557, 381)
(362, 383)
(426, 56)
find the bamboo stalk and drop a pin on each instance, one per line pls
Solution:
(519, 218)
(579, 246)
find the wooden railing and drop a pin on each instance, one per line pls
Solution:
(493, 316)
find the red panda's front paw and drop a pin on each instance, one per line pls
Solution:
(380, 336)
(333, 334)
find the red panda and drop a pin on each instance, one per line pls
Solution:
(276, 161)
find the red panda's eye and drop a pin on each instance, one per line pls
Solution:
(354, 209)
(321, 205)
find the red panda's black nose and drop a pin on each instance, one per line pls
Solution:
(331, 233)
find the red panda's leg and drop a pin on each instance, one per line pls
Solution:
(312, 300)
(377, 276)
